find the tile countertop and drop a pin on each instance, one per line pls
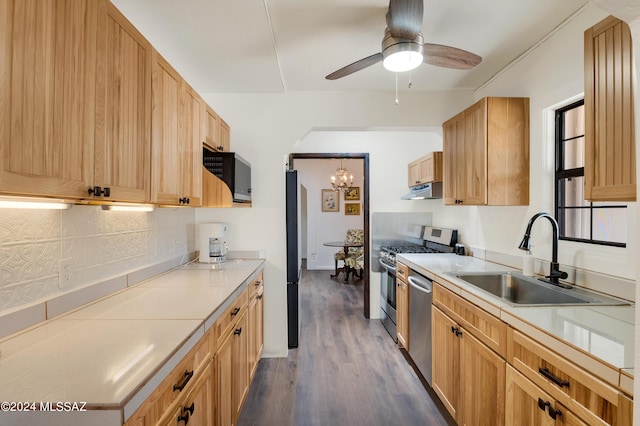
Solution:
(110, 353)
(601, 339)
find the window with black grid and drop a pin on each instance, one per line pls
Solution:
(580, 220)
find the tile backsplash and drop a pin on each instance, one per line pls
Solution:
(97, 245)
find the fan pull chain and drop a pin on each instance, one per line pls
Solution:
(410, 85)
(397, 101)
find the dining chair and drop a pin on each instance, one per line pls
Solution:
(352, 236)
(355, 265)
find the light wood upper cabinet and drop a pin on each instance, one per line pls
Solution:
(426, 169)
(609, 168)
(217, 132)
(177, 133)
(123, 118)
(47, 88)
(486, 153)
(225, 136)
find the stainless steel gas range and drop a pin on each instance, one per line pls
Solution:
(434, 240)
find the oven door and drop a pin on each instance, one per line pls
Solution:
(388, 298)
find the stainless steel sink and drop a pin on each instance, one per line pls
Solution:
(521, 290)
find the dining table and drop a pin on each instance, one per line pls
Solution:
(346, 246)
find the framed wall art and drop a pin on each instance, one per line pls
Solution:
(330, 201)
(352, 193)
(351, 208)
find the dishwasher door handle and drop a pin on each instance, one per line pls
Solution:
(421, 285)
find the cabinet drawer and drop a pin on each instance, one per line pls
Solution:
(176, 384)
(231, 315)
(402, 272)
(587, 396)
(256, 286)
(485, 327)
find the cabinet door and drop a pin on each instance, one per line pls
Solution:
(526, 403)
(224, 371)
(212, 129)
(240, 365)
(482, 384)
(192, 120)
(167, 85)
(402, 301)
(225, 136)
(413, 172)
(473, 155)
(609, 168)
(47, 112)
(446, 360)
(256, 332)
(453, 155)
(123, 117)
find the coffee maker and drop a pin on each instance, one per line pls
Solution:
(211, 243)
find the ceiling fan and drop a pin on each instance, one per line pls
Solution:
(403, 47)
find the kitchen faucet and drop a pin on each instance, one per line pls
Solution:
(555, 273)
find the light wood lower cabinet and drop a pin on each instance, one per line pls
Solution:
(402, 305)
(210, 384)
(527, 404)
(468, 376)
(256, 324)
(588, 397)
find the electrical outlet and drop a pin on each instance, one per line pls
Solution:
(64, 272)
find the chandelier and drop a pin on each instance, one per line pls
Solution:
(343, 182)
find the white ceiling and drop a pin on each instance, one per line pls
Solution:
(275, 46)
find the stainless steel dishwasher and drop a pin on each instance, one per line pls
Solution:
(420, 298)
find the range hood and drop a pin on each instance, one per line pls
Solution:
(424, 192)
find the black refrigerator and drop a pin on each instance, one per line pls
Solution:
(293, 258)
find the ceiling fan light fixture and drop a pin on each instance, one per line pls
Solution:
(402, 60)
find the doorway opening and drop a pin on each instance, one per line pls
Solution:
(364, 197)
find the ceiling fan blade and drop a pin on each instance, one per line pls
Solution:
(404, 18)
(356, 66)
(449, 57)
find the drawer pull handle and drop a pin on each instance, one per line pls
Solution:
(237, 331)
(554, 413)
(187, 376)
(456, 331)
(543, 405)
(235, 312)
(546, 373)
(190, 409)
(259, 297)
(184, 418)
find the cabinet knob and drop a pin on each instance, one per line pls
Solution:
(190, 409)
(220, 148)
(98, 191)
(235, 312)
(237, 331)
(184, 200)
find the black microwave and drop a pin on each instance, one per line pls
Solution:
(233, 170)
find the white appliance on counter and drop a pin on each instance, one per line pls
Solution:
(211, 243)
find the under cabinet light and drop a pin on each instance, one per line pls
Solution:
(33, 203)
(128, 208)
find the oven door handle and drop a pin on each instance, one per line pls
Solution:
(387, 266)
(421, 285)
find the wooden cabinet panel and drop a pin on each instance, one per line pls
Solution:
(522, 398)
(584, 394)
(212, 130)
(123, 117)
(192, 118)
(256, 323)
(609, 169)
(482, 384)
(426, 169)
(446, 361)
(47, 113)
(240, 365)
(402, 305)
(486, 153)
(177, 134)
(225, 135)
(488, 329)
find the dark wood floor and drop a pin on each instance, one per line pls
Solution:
(347, 370)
